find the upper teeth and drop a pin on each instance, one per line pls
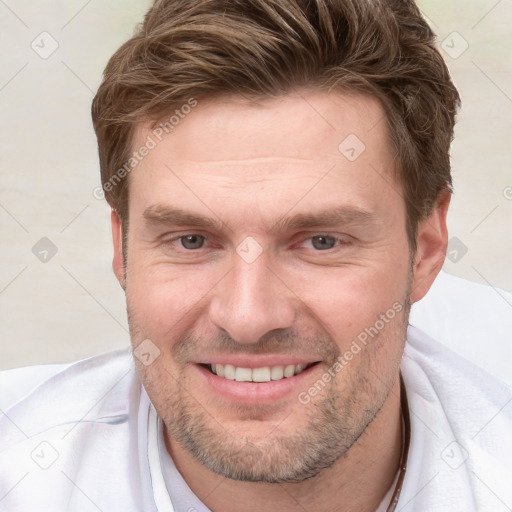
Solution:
(264, 374)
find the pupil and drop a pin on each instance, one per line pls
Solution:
(323, 242)
(192, 241)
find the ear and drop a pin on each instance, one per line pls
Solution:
(117, 238)
(432, 240)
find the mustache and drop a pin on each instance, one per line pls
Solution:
(278, 342)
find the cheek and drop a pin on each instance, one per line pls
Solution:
(346, 301)
(164, 302)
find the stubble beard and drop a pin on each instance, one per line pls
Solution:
(334, 421)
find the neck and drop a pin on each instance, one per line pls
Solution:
(357, 481)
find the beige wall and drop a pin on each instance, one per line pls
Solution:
(70, 306)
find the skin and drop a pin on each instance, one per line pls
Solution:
(245, 166)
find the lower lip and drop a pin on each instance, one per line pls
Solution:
(252, 393)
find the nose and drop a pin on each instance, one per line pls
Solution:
(251, 301)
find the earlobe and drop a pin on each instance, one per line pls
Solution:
(432, 240)
(117, 238)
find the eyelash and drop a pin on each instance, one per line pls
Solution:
(339, 241)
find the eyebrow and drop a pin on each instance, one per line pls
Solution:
(160, 214)
(342, 215)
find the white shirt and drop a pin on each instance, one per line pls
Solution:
(463, 316)
(86, 438)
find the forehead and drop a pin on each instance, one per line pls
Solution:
(291, 125)
(228, 150)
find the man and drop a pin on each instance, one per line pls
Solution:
(279, 179)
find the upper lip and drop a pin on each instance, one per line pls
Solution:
(256, 361)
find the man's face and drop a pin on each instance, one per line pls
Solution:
(263, 236)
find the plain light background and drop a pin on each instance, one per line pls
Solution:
(69, 306)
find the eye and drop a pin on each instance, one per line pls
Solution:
(192, 241)
(323, 242)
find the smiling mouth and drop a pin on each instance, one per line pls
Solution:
(263, 374)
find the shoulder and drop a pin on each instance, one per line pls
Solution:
(70, 428)
(468, 393)
(471, 319)
(461, 419)
(18, 382)
(38, 398)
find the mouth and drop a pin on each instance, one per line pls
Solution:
(246, 381)
(257, 375)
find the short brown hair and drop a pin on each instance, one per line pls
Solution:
(187, 49)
